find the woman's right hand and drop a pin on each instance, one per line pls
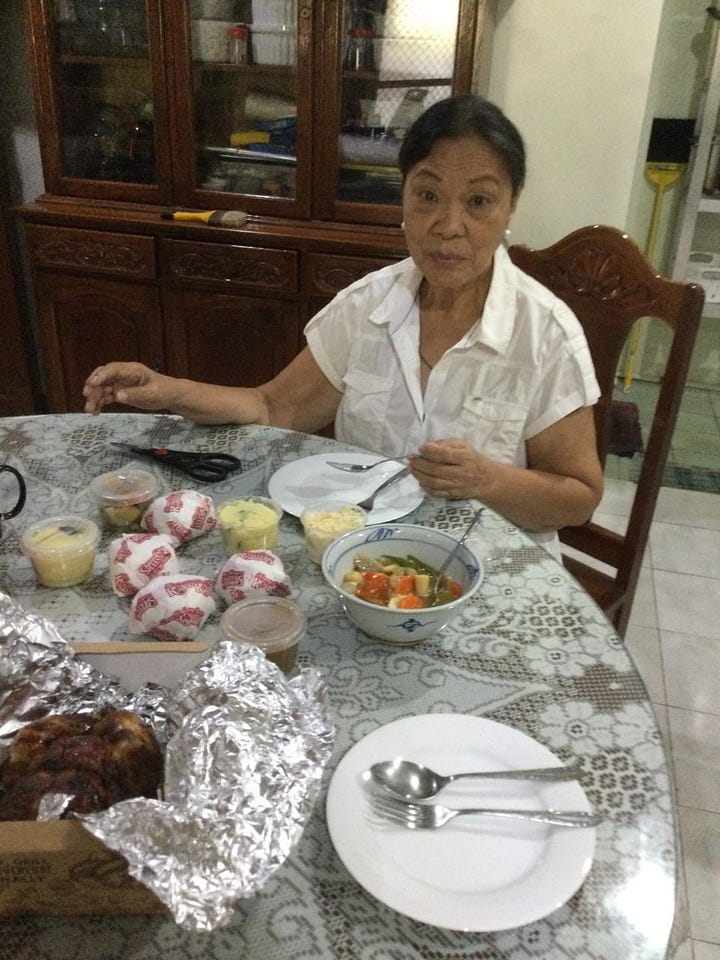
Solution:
(130, 383)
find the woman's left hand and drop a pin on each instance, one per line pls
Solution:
(450, 468)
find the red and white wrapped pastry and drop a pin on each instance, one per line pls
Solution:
(172, 606)
(182, 515)
(137, 558)
(247, 574)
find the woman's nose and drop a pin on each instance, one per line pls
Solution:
(449, 220)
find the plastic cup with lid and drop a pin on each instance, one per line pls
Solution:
(122, 497)
(62, 549)
(249, 523)
(325, 521)
(274, 625)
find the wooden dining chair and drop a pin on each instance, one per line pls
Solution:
(607, 281)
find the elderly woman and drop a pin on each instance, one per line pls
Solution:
(453, 356)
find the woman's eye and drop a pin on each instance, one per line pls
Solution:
(479, 201)
(427, 195)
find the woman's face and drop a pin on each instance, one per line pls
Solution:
(457, 204)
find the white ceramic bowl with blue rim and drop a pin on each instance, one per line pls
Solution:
(400, 539)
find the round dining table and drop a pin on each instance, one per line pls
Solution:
(530, 651)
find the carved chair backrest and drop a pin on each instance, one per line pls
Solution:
(609, 284)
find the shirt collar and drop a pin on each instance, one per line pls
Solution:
(494, 328)
(394, 308)
(496, 325)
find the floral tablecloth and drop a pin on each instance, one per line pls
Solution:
(531, 651)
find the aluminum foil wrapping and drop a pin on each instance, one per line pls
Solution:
(39, 674)
(242, 773)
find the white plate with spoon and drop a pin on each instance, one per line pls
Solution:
(474, 873)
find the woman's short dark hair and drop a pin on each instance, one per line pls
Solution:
(463, 116)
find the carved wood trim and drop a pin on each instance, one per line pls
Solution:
(595, 273)
(273, 270)
(93, 251)
(328, 275)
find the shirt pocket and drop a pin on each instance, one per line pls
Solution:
(363, 409)
(495, 428)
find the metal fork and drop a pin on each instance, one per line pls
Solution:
(367, 503)
(362, 467)
(428, 816)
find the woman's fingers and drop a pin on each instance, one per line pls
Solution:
(110, 384)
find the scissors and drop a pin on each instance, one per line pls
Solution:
(209, 467)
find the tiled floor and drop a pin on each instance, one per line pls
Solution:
(674, 638)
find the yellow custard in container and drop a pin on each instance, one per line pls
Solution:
(62, 550)
(249, 524)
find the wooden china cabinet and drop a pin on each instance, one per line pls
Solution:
(148, 106)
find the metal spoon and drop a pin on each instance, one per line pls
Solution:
(432, 597)
(416, 782)
(361, 467)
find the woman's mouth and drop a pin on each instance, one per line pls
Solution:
(447, 259)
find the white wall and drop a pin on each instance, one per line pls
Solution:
(575, 76)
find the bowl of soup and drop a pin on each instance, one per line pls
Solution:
(385, 576)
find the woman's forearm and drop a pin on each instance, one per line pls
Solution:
(211, 403)
(537, 500)
(300, 397)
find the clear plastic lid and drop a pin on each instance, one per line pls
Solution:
(60, 536)
(124, 487)
(270, 623)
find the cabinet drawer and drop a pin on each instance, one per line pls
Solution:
(92, 251)
(222, 264)
(327, 275)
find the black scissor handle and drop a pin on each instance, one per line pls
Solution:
(208, 467)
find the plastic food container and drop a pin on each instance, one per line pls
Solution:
(62, 549)
(327, 520)
(252, 523)
(123, 497)
(274, 624)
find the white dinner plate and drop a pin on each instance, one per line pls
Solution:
(475, 873)
(302, 482)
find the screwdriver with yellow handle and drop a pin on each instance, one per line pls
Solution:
(214, 218)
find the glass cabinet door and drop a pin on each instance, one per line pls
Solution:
(250, 113)
(101, 96)
(291, 108)
(398, 57)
